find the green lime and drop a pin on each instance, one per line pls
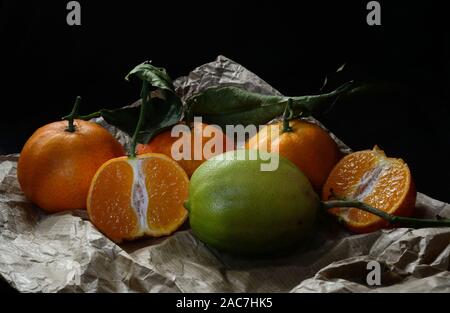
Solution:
(236, 207)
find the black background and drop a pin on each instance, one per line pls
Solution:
(293, 45)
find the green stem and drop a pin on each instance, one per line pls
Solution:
(89, 116)
(286, 118)
(323, 103)
(144, 95)
(74, 114)
(391, 219)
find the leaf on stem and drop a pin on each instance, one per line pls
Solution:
(164, 110)
(231, 105)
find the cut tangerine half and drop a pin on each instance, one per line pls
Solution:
(133, 197)
(371, 177)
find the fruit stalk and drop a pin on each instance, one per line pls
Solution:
(144, 95)
(391, 219)
(287, 118)
(89, 116)
(74, 114)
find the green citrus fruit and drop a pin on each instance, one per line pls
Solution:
(237, 208)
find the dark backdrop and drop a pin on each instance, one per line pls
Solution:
(293, 45)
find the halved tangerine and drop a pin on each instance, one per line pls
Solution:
(133, 197)
(371, 177)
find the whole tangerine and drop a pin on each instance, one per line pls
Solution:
(57, 164)
(198, 139)
(305, 144)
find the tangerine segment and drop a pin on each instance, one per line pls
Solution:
(167, 187)
(109, 206)
(371, 177)
(131, 197)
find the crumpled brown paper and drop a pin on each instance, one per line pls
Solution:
(65, 252)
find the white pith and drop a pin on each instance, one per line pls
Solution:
(366, 184)
(139, 201)
(369, 180)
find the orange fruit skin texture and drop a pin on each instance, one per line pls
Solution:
(371, 177)
(162, 143)
(308, 146)
(56, 167)
(116, 204)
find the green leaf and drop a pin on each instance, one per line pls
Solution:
(231, 105)
(164, 109)
(160, 115)
(157, 77)
(219, 105)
